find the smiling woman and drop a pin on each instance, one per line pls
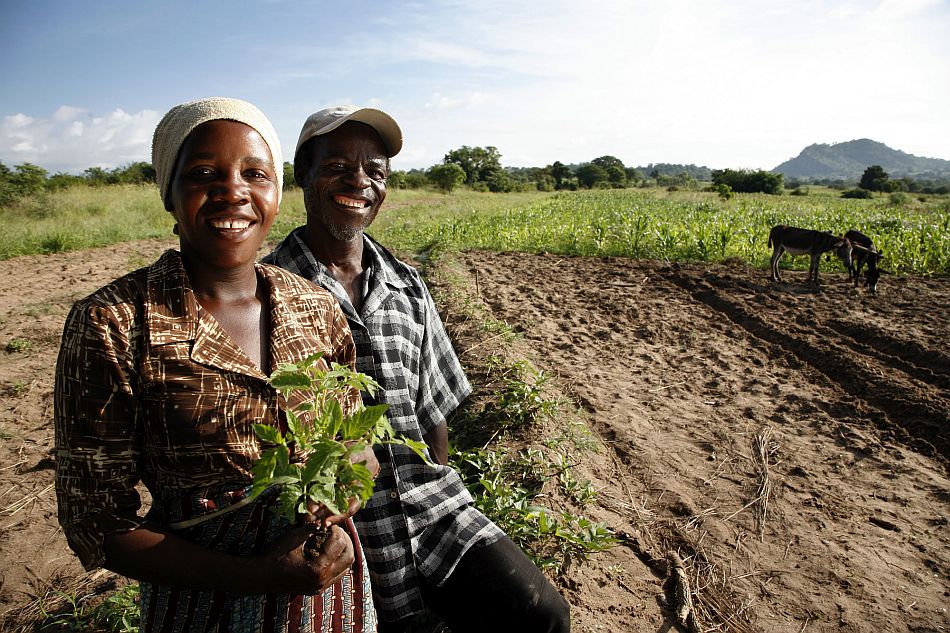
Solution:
(162, 375)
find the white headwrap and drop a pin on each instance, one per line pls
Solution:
(178, 123)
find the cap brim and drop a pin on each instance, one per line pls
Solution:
(385, 126)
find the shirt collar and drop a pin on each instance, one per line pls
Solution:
(172, 315)
(294, 255)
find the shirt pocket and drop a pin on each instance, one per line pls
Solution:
(201, 424)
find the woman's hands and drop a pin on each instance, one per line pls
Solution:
(286, 566)
(295, 568)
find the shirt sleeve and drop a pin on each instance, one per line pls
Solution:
(97, 435)
(442, 381)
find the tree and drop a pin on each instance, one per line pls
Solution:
(748, 181)
(608, 161)
(590, 174)
(96, 176)
(498, 181)
(874, 179)
(633, 175)
(446, 176)
(476, 162)
(561, 173)
(616, 176)
(416, 179)
(24, 180)
(396, 180)
(290, 181)
(545, 182)
(138, 173)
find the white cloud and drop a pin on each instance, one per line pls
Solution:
(439, 101)
(73, 139)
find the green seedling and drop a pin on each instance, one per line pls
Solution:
(311, 460)
(18, 345)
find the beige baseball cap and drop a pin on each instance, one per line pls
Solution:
(329, 119)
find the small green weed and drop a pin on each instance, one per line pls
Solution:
(505, 489)
(522, 401)
(582, 492)
(578, 435)
(118, 613)
(16, 345)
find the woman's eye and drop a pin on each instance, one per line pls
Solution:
(257, 174)
(201, 172)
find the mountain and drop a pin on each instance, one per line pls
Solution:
(847, 161)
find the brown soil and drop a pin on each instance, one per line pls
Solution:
(791, 447)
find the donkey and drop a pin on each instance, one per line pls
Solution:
(864, 252)
(796, 241)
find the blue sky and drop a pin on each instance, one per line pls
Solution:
(742, 84)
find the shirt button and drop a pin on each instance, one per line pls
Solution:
(393, 495)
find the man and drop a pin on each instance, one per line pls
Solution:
(425, 542)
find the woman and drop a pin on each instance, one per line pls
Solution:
(161, 375)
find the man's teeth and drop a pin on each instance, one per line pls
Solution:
(231, 224)
(350, 202)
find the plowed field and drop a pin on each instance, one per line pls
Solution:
(702, 383)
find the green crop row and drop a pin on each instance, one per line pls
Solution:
(697, 227)
(647, 224)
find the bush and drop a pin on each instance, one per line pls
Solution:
(396, 180)
(416, 179)
(857, 193)
(898, 198)
(545, 182)
(724, 191)
(446, 176)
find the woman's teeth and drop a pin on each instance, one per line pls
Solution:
(239, 225)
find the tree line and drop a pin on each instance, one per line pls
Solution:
(480, 169)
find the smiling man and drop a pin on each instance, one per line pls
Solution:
(426, 544)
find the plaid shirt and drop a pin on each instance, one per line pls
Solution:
(421, 519)
(150, 387)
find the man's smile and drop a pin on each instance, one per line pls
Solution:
(352, 203)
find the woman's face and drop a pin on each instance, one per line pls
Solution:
(223, 194)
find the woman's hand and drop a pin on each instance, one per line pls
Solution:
(286, 566)
(294, 568)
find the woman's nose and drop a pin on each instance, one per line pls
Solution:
(231, 187)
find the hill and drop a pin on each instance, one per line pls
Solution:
(847, 161)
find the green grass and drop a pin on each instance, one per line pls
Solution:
(82, 217)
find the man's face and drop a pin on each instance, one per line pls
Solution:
(346, 181)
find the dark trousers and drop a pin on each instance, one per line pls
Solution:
(494, 588)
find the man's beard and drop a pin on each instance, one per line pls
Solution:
(340, 233)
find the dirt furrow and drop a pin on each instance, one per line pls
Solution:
(924, 413)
